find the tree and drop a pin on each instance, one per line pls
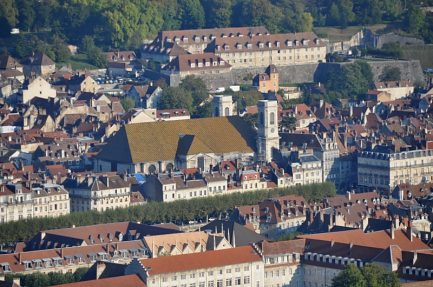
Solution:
(414, 19)
(377, 276)
(60, 49)
(26, 16)
(261, 13)
(197, 87)
(351, 276)
(8, 17)
(341, 13)
(288, 123)
(390, 74)
(218, 13)
(96, 57)
(203, 111)
(175, 98)
(192, 14)
(127, 103)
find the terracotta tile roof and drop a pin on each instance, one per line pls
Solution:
(126, 280)
(203, 260)
(146, 142)
(282, 247)
(38, 59)
(378, 239)
(197, 62)
(276, 42)
(170, 36)
(392, 84)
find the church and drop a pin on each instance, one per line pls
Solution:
(158, 147)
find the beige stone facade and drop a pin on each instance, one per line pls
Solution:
(384, 171)
(100, 193)
(38, 88)
(265, 50)
(50, 200)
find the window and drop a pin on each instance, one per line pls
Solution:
(228, 282)
(272, 118)
(238, 281)
(247, 280)
(220, 283)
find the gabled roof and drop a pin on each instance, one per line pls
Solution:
(38, 59)
(379, 239)
(7, 62)
(146, 142)
(126, 280)
(202, 260)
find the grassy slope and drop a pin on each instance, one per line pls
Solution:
(423, 53)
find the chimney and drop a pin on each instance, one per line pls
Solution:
(415, 257)
(409, 231)
(392, 232)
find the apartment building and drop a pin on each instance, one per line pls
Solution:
(170, 44)
(307, 170)
(240, 266)
(282, 260)
(16, 202)
(68, 259)
(197, 64)
(327, 254)
(50, 200)
(274, 217)
(176, 185)
(99, 192)
(383, 169)
(269, 49)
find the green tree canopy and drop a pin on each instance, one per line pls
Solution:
(349, 277)
(390, 74)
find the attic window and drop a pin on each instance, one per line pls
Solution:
(289, 43)
(185, 39)
(239, 46)
(197, 39)
(226, 47)
(261, 45)
(249, 46)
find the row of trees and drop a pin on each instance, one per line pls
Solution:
(371, 275)
(39, 279)
(154, 212)
(125, 23)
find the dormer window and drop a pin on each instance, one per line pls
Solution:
(289, 43)
(222, 63)
(197, 39)
(192, 65)
(249, 45)
(305, 42)
(277, 44)
(212, 37)
(204, 38)
(226, 47)
(261, 45)
(239, 46)
(200, 64)
(269, 44)
(296, 42)
(215, 63)
(207, 64)
(176, 39)
(218, 48)
(185, 39)
(317, 41)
